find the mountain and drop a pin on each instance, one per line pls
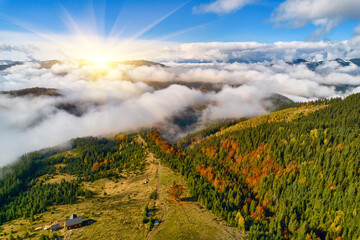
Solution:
(344, 63)
(248, 61)
(8, 64)
(291, 174)
(115, 184)
(355, 61)
(278, 102)
(49, 64)
(203, 86)
(33, 92)
(139, 63)
(43, 64)
(70, 107)
(73, 108)
(189, 120)
(313, 65)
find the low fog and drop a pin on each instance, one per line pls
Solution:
(99, 100)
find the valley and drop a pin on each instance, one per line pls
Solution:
(116, 210)
(289, 174)
(180, 120)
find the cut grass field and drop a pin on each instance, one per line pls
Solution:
(117, 209)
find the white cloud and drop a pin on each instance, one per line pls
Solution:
(357, 30)
(27, 124)
(222, 6)
(324, 13)
(254, 51)
(121, 98)
(243, 101)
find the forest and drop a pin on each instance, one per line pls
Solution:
(23, 193)
(292, 174)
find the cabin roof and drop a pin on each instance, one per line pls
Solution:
(72, 222)
(55, 226)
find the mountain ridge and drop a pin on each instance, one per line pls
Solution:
(288, 174)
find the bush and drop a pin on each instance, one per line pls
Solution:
(88, 194)
(26, 235)
(145, 220)
(153, 195)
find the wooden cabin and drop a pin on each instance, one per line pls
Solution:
(73, 222)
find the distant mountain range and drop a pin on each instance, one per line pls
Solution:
(313, 65)
(5, 64)
(291, 174)
(33, 92)
(139, 63)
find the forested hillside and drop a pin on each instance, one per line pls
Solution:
(23, 193)
(291, 174)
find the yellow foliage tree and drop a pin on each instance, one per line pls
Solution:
(240, 221)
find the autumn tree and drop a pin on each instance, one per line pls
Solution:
(240, 221)
(175, 191)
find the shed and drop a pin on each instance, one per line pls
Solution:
(55, 227)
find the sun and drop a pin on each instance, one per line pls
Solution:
(101, 62)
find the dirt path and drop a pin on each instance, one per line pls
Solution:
(159, 198)
(163, 204)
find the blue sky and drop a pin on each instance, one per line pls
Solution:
(251, 22)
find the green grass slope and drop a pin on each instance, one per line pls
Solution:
(102, 180)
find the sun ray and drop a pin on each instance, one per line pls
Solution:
(43, 34)
(91, 42)
(152, 25)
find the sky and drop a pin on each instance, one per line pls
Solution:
(188, 21)
(243, 49)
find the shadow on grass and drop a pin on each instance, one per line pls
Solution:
(188, 199)
(88, 222)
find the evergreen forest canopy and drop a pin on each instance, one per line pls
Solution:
(292, 174)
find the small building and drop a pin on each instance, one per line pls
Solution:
(55, 227)
(73, 222)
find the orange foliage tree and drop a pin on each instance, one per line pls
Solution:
(175, 191)
(96, 166)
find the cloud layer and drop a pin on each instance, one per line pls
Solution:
(254, 51)
(224, 80)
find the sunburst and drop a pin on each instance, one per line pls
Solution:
(88, 41)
